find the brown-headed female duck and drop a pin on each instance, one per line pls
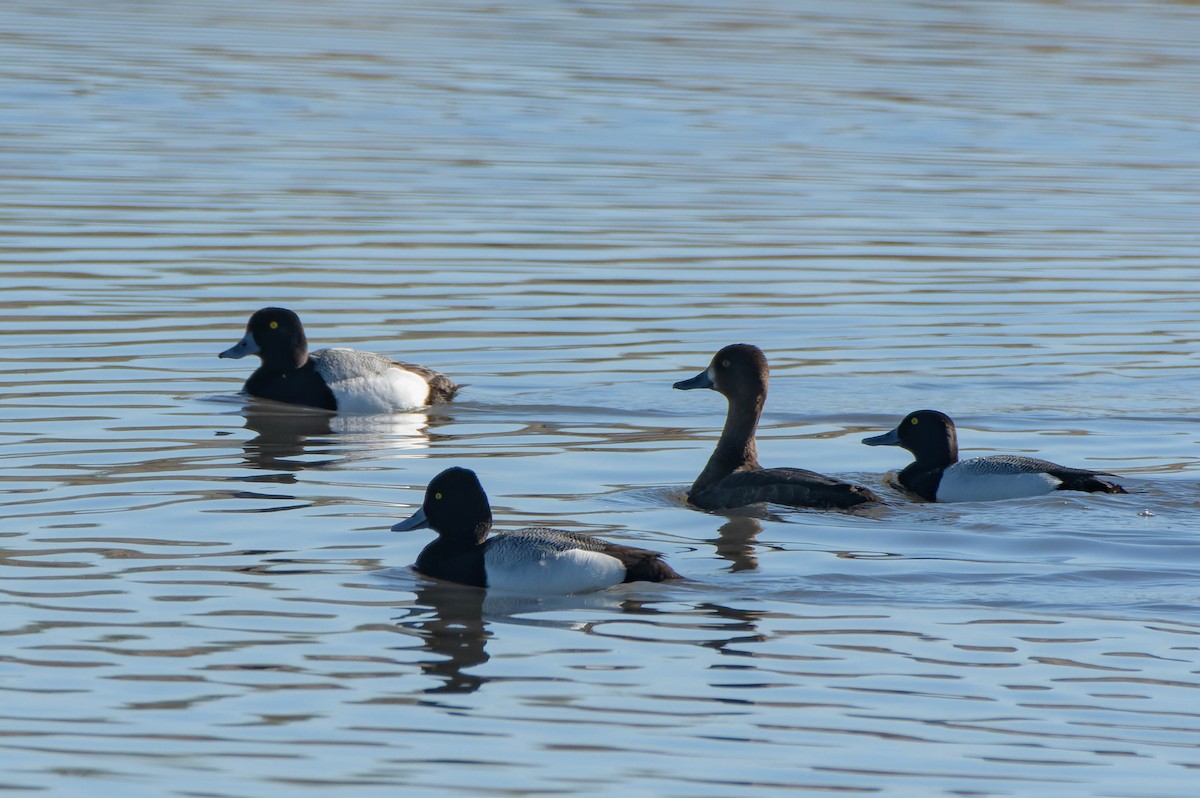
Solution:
(733, 477)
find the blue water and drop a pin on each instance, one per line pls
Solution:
(989, 209)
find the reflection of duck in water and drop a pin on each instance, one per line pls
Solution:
(458, 629)
(535, 560)
(285, 433)
(456, 634)
(736, 542)
(343, 380)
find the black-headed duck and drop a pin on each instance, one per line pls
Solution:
(533, 560)
(343, 380)
(937, 475)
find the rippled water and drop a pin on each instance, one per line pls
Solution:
(987, 208)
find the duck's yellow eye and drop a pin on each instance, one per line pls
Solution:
(725, 364)
(914, 421)
(437, 496)
(274, 325)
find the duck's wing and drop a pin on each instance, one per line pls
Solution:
(366, 382)
(641, 565)
(590, 558)
(1071, 478)
(1007, 476)
(794, 487)
(338, 363)
(982, 479)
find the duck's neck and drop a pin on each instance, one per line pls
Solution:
(944, 455)
(287, 359)
(282, 366)
(736, 450)
(453, 544)
(468, 538)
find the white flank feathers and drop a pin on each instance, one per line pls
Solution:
(364, 382)
(523, 563)
(986, 479)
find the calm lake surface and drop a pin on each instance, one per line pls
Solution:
(986, 208)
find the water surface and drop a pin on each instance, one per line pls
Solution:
(984, 208)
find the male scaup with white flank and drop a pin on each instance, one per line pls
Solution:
(534, 560)
(937, 475)
(733, 477)
(342, 380)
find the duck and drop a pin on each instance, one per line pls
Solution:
(937, 475)
(532, 560)
(341, 380)
(733, 477)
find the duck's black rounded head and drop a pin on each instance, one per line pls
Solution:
(276, 336)
(279, 330)
(928, 434)
(455, 503)
(738, 370)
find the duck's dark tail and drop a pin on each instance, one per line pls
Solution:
(645, 566)
(442, 389)
(1087, 481)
